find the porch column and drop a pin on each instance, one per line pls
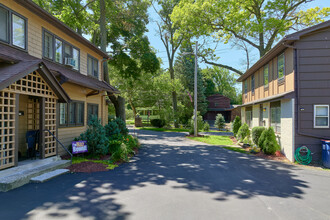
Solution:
(42, 127)
(16, 144)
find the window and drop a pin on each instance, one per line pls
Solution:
(245, 87)
(275, 120)
(321, 116)
(266, 75)
(4, 27)
(252, 83)
(92, 66)
(261, 115)
(13, 28)
(280, 66)
(58, 51)
(63, 113)
(248, 116)
(48, 45)
(72, 114)
(92, 110)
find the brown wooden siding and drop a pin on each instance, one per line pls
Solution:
(313, 72)
(275, 87)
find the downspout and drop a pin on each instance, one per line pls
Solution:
(298, 100)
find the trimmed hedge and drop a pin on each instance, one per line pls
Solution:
(267, 141)
(220, 121)
(256, 133)
(236, 125)
(158, 123)
(243, 132)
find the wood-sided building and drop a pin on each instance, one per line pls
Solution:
(50, 81)
(289, 89)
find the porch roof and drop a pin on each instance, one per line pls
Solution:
(68, 75)
(284, 95)
(15, 65)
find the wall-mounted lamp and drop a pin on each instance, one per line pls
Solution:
(302, 109)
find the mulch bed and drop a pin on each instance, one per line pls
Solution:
(191, 135)
(277, 156)
(87, 167)
(90, 166)
(234, 140)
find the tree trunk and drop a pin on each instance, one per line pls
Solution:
(174, 97)
(132, 106)
(118, 102)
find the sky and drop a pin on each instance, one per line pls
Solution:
(229, 56)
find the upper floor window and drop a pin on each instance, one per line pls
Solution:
(280, 66)
(60, 51)
(321, 116)
(13, 28)
(266, 75)
(92, 66)
(252, 83)
(245, 87)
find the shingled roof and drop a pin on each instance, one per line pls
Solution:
(15, 64)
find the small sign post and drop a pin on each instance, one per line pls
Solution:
(79, 147)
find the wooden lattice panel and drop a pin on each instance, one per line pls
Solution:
(33, 114)
(50, 124)
(32, 84)
(7, 129)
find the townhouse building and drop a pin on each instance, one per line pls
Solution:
(289, 89)
(50, 81)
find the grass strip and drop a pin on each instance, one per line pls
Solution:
(214, 140)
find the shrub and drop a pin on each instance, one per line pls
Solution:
(96, 138)
(122, 126)
(206, 126)
(220, 121)
(112, 129)
(158, 123)
(121, 153)
(267, 141)
(256, 133)
(247, 140)
(200, 122)
(236, 125)
(243, 131)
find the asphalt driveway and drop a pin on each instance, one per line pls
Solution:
(175, 178)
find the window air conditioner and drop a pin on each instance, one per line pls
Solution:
(70, 62)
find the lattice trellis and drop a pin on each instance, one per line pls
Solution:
(32, 84)
(7, 129)
(33, 114)
(50, 124)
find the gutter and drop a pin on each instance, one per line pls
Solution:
(298, 100)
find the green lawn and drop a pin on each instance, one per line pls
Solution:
(237, 149)
(215, 131)
(164, 129)
(214, 139)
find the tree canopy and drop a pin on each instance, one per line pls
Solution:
(256, 23)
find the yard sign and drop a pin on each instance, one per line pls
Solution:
(79, 147)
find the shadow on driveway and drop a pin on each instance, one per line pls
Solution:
(164, 157)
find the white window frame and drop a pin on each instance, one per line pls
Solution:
(315, 106)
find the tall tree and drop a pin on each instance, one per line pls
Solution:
(224, 82)
(166, 31)
(185, 70)
(257, 23)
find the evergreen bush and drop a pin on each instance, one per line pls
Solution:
(206, 126)
(236, 125)
(220, 121)
(112, 129)
(122, 126)
(200, 122)
(96, 138)
(158, 123)
(267, 141)
(243, 131)
(256, 133)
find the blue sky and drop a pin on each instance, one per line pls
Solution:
(228, 55)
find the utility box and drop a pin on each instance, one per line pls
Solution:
(326, 153)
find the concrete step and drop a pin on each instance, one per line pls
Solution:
(18, 176)
(47, 176)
